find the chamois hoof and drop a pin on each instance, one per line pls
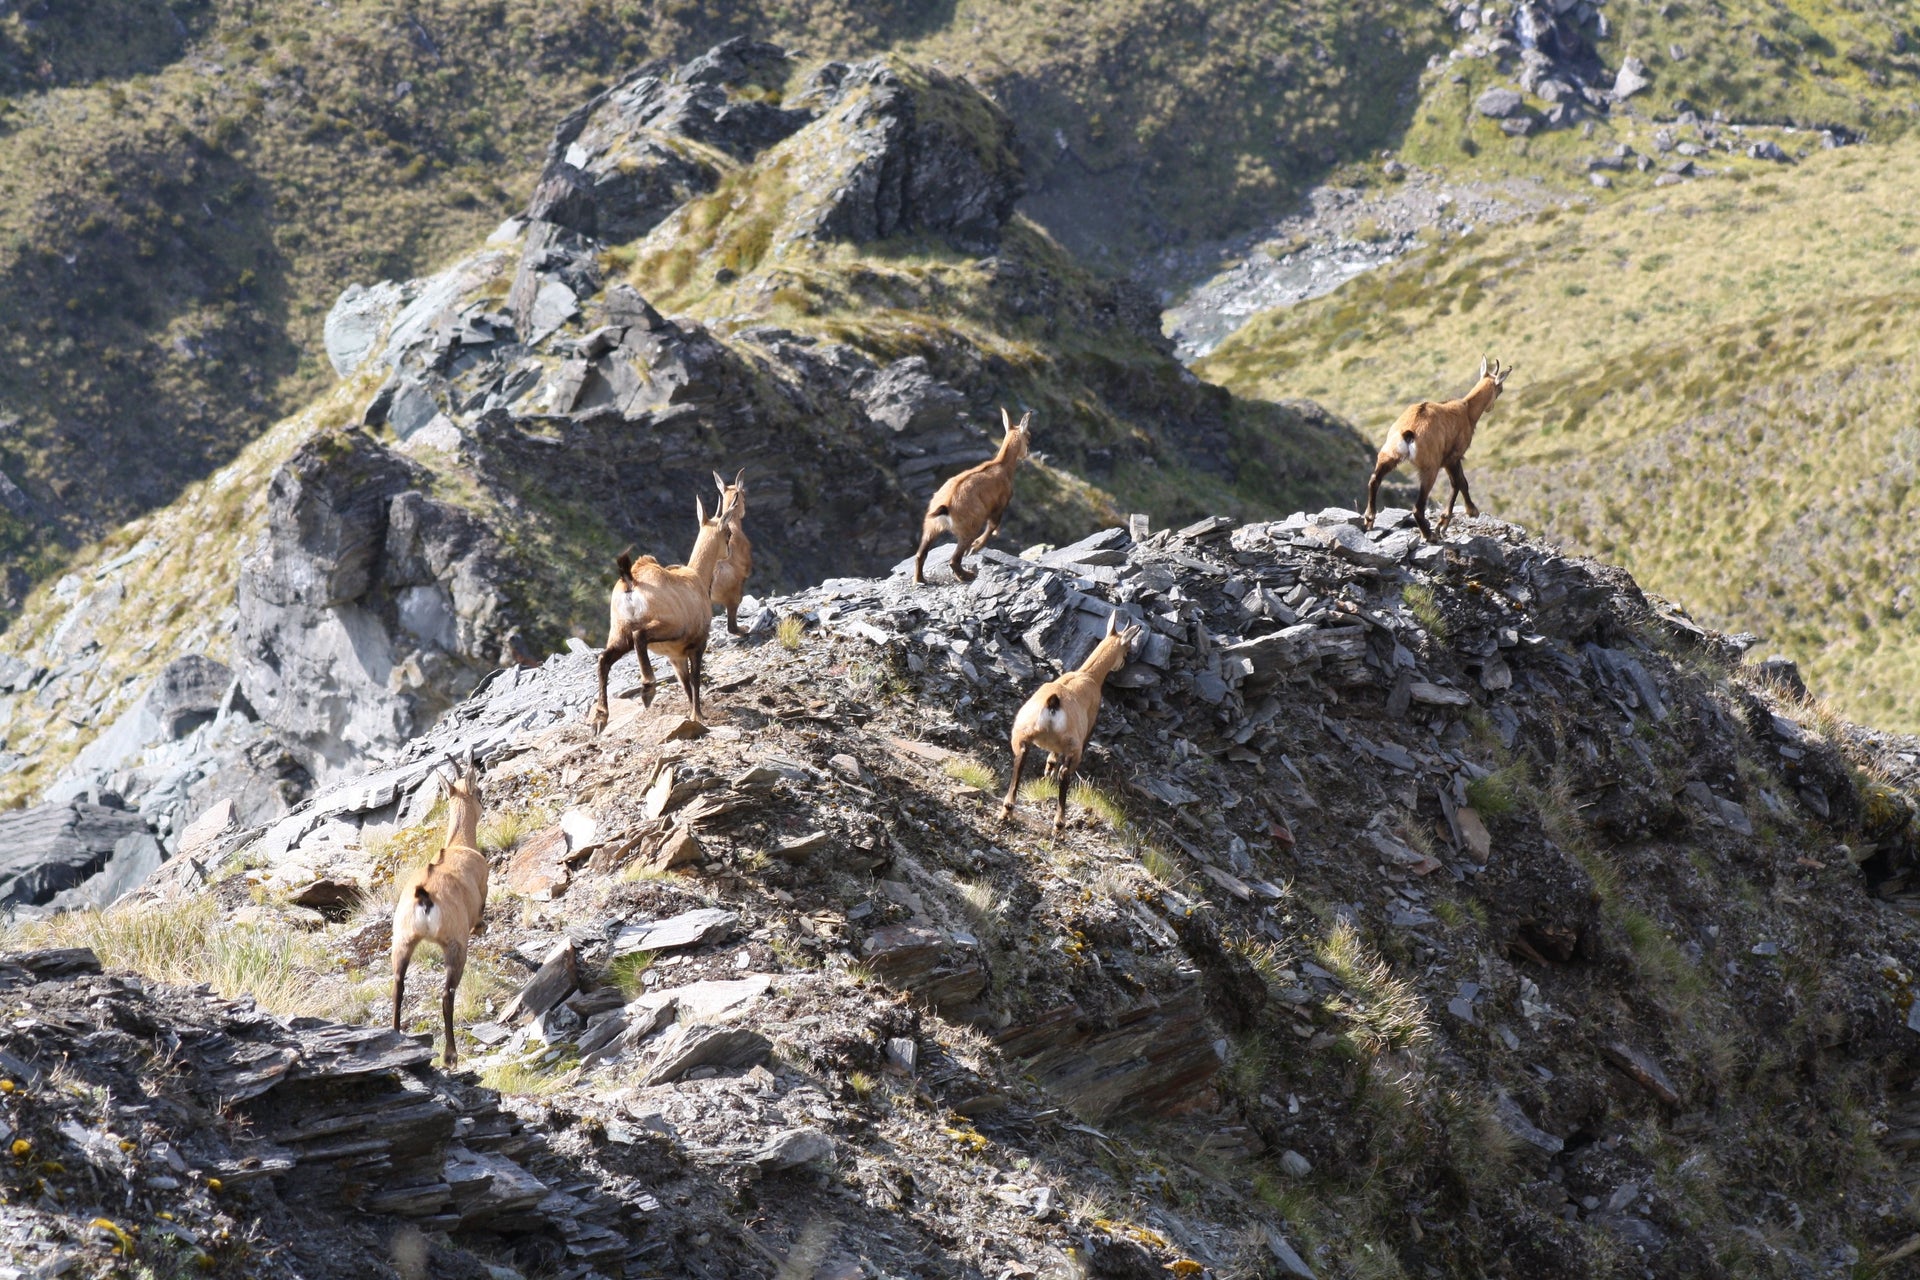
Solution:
(1366, 523)
(646, 694)
(597, 718)
(735, 629)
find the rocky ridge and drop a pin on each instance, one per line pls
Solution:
(509, 407)
(1478, 899)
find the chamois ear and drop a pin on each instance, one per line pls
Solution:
(1025, 418)
(1483, 366)
(740, 480)
(719, 483)
(1006, 423)
(1503, 375)
(699, 509)
(1113, 622)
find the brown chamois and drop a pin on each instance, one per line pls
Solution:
(1435, 436)
(666, 610)
(445, 901)
(971, 505)
(730, 575)
(1059, 717)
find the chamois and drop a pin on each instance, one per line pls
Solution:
(1435, 435)
(1059, 717)
(668, 610)
(730, 575)
(445, 901)
(971, 504)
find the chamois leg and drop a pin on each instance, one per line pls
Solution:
(617, 647)
(1457, 473)
(930, 528)
(1420, 506)
(1013, 787)
(962, 540)
(683, 667)
(987, 535)
(1380, 472)
(401, 959)
(456, 966)
(645, 660)
(1064, 775)
(733, 620)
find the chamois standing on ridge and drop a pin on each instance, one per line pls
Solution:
(730, 575)
(1435, 435)
(1058, 718)
(971, 504)
(445, 901)
(666, 609)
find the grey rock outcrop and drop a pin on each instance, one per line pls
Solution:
(631, 156)
(54, 849)
(358, 320)
(366, 607)
(906, 398)
(895, 152)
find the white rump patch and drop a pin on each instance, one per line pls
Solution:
(1402, 446)
(1054, 721)
(426, 920)
(631, 608)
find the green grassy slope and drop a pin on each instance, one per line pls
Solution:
(1716, 388)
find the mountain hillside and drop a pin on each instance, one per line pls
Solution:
(833, 293)
(1423, 911)
(1714, 388)
(190, 184)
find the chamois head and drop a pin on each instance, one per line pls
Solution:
(717, 526)
(1016, 443)
(463, 800)
(1491, 372)
(1115, 647)
(462, 776)
(736, 491)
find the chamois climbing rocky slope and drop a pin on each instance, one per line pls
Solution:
(1711, 392)
(1452, 910)
(833, 292)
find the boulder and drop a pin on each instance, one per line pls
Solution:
(907, 399)
(58, 847)
(358, 321)
(1499, 103)
(1632, 78)
(188, 693)
(898, 150)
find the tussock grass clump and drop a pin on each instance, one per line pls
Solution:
(1425, 609)
(1098, 802)
(971, 772)
(628, 972)
(503, 831)
(790, 632)
(1499, 793)
(190, 942)
(526, 1079)
(1385, 1015)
